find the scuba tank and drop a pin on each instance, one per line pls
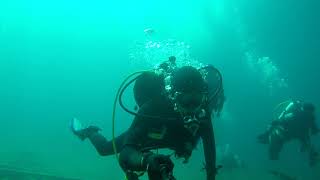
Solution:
(147, 87)
(151, 85)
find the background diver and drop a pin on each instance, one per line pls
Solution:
(228, 159)
(175, 110)
(296, 121)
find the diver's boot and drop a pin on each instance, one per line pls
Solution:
(80, 132)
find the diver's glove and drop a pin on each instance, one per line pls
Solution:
(157, 164)
(80, 132)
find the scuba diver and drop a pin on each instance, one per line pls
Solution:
(175, 110)
(296, 121)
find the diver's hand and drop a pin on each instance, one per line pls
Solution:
(154, 163)
(82, 133)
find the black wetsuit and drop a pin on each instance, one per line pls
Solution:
(166, 131)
